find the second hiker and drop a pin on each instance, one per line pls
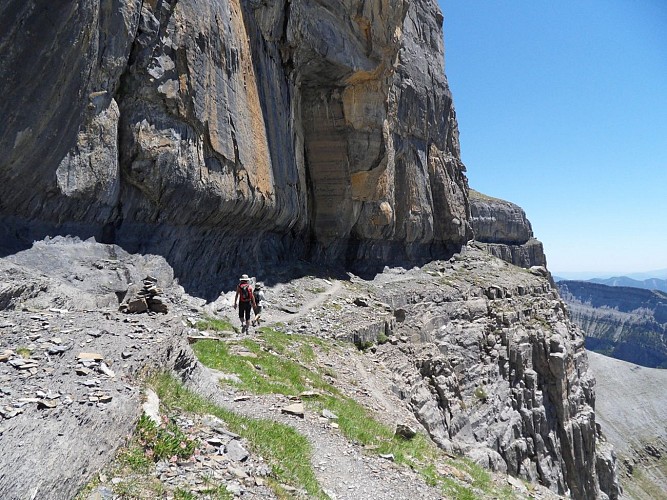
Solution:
(259, 299)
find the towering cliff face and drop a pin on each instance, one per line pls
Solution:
(505, 231)
(205, 130)
(496, 369)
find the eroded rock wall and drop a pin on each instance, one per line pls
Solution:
(503, 228)
(261, 130)
(494, 368)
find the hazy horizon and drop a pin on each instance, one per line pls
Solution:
(586, 275)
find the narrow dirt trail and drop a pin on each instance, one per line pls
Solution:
(343, 469)
(277, 316)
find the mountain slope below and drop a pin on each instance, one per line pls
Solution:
(631, 405)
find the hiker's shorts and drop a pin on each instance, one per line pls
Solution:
(244, 310)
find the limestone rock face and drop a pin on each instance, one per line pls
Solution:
(496, 370)
(262, 130)
(503, 228)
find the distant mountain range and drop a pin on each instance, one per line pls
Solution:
(651, 280)
(648, 284)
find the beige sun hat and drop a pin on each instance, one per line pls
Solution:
(244, 277)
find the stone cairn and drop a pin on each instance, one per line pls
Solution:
(146, 299)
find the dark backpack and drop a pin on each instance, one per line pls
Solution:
(245, 293)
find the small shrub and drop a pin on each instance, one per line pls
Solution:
(24, 352)
(165, 441)
(365, 345)
(481, 394)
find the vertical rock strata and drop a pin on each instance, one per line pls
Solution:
(494, 368)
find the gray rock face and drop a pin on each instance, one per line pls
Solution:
(503, 228)
(499, 372)
(261, 130)
(481, 353)
(623, 322)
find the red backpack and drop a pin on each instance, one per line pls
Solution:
(245, 293)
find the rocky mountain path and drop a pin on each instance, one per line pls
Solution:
(72, 365)
(273, 316)
(344, 469)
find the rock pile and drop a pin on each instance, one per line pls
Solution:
(146, 299)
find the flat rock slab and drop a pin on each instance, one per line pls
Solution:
(89, 356)
(294, 409)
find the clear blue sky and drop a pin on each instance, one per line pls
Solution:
(562, 109)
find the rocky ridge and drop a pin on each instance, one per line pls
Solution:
(503, 228)
(456, 358)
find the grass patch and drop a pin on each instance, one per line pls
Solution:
(216, 325)
(24, 352)
(277, 374)
(285, 449)
(281, 357)
(165, 441)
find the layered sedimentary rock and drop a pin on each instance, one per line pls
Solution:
(623, 322)
(260, 130)
(503, 228)
(491, 366)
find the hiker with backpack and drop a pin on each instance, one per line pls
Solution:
(246, 301)
(259, 299)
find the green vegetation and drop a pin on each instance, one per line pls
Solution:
(481, 394)
(24, 352)
(279, 368)
(216, 324)
(641, 483)
(165, 441)
(285, 450)
(365, 345)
